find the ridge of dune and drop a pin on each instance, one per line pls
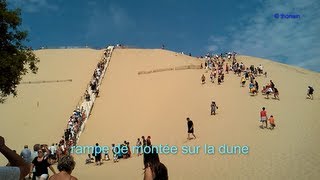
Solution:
(156, 104)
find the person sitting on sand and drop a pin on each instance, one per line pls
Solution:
(65, 165)
(190, 128)
(203, 79)
(310, 92)
(153, 168)
(89, 159)
(271, 122)
(251, 85)
(106, 155)
(115, 153)
(263, 117)
(214, 107)
(253, 91)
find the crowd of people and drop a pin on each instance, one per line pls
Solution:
(119, 151)
(43, 156)
(218, 65)
(79, 115)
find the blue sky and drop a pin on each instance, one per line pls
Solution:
(198, 27)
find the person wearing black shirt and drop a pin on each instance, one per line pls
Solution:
(190, 128)
(97, 154)
(41, 165)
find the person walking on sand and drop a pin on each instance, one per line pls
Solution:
(211, 77)
(243, 81)
(263, 118)
(276, 94)
(203, 79)
(190, 128)
(310, 92)
(256, 86)
(214, 107)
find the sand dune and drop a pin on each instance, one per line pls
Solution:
(23, 122)
(157, 104)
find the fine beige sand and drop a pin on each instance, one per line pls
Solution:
(157, 104)
(23, 121)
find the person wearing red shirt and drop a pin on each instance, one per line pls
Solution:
(263, 117)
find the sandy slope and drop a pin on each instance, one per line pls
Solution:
(132, 105)
(22, 122)
(157, 104)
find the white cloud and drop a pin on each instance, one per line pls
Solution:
(120, 17)
(33, 6)
(292, 41)
(103, 20)
(212, 48)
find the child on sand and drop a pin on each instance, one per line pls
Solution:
(271, 122)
